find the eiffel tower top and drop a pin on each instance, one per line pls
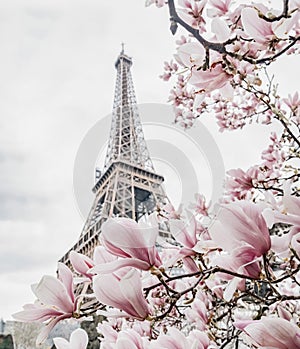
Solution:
(126, 141)
(123, 56)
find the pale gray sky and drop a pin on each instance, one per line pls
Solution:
(57, 73)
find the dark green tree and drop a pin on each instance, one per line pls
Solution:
(91, 328)
(6, 342)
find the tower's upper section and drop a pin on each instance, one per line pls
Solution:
(126, 142)
(124, 92)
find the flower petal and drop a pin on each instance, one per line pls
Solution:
(33, 313)
(101, 255)
(255, 27)
(117, 264)
(273, 332)
(220, 29)
(52, 291)
(62, 343)
(81, 263)
(66, 277)
(126, 238)
(79, 339)
(123, 295)
(132, 281)
(47, 329)
(107, 290)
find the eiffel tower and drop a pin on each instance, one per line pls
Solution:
(128, 186)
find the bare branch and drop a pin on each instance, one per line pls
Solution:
(284, 14)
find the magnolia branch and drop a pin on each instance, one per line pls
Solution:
(265, 99)
(221, 47)
(284, 14)
(207, 44)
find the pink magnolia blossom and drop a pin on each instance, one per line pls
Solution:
(291, 204)
(290, 212)
(272, 333)
(200, 340)
(129, 339)
(281, 244)
(190, 236)
(190, 54)
(198, 314)
(123, 293)
(143, 328)
(283, 312)
(170, 211)
(191, 12)
(256, 27)
(101, 255)
(242, 260)
(272, 156)
(78, 340)
(286, 211)
(55, 301)
(187, 237)
(200, 205)
(211, 79)
(241, 224)
(239, 182)
(198, 101)
(263, 31)
(253, 38)
(184, 233)
(108, 331)
(236, 106)
(170, 68)
(285, 26)
(134, 242)
(220, 28)
(175, 339)
(82, 264)
(219, 7)
(293, 102)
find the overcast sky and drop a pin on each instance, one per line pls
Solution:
(57, 80)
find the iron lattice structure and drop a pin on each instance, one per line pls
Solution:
(128, 186)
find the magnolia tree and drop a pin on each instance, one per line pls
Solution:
(227, 277)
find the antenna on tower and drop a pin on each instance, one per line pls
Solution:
(122, 44)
